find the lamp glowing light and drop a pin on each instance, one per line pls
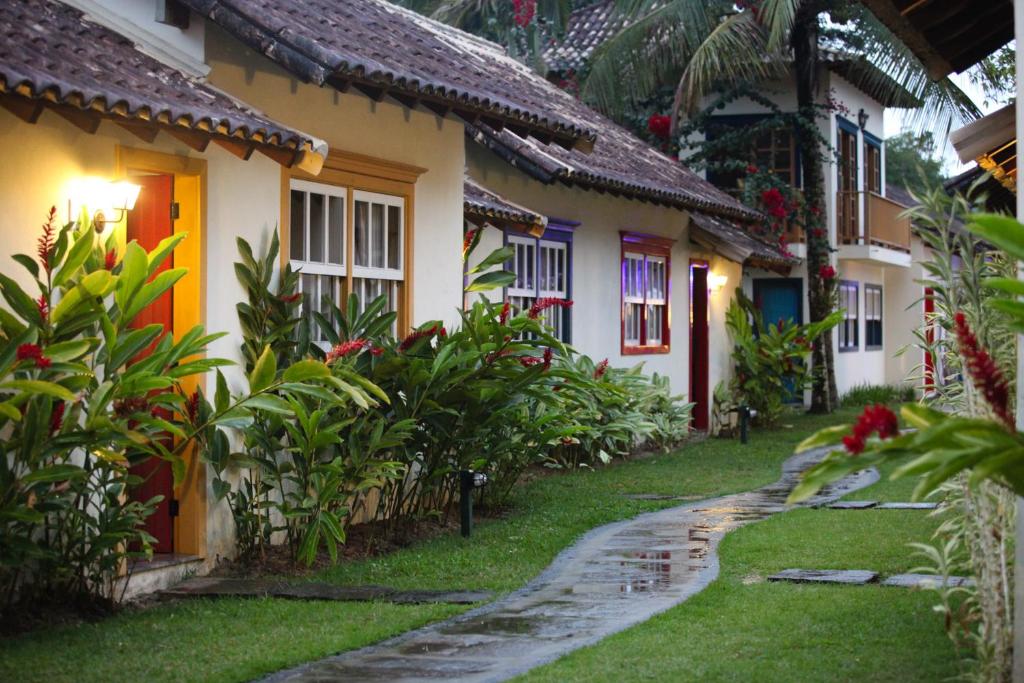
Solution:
(107, 202)
(716, 281)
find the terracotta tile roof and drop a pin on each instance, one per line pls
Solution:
(735, 243)
(50, 55)
(385, 50)
(620, 163)
(488, 207)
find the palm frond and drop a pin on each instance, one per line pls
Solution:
(649, 52)
(777, 16)
(735, 52)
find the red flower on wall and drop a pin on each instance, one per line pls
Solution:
(523, 12)
(826, 272)
(660, 125)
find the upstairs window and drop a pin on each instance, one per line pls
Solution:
(848, 327)
(772, 150)
(872, 166)
(543, 270)
(645, 277)
(872, 316)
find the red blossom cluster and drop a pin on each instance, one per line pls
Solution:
(602, 368)
(495, 355)
(826, 272)
(346, 348)
(818, 233)
(660, 125)
(123, 407)
(988, 379)
(506, 309)
(414, 337)
(544, 304)
(531, 361)
(467, 241)
(524, 11)
(44, 246)
(44, 307)
(32, 352)
(192, 407)
(291, 298)
(57, 417)
(876, 418)
(110, 260)
(751, 168)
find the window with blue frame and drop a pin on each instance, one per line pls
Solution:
(543, 269)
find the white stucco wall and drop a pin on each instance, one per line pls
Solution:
(596, 317)
(903, 313)
(385, 130)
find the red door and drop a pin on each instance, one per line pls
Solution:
(149, 223)
(699, 345)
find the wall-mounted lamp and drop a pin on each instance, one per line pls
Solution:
(716, 281)
(862, 119)
(118, 198)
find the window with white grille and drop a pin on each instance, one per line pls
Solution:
(645, 296)
(849, 327)
(872, 317)
(541, 267)
(319, 233)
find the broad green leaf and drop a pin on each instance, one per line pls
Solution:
(77, 255)
(53, 473)
(10, 411)
(162, 251)
(305, 370)
(70, 350)
(492, 280)
(95, 284)
(1004, 232)
(264, 371)
(222, 396)
(829, 436)
(36, 386)
(494, 258)
(152, 290)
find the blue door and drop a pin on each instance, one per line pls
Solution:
(779, 299)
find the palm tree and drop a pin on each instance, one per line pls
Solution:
(702, 46)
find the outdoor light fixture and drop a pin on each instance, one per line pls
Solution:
(106, 201)
(862, 119)
(716, 281)
(468, 481)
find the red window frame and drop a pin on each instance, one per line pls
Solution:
(647, 245)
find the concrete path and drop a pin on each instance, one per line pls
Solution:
(614, 577)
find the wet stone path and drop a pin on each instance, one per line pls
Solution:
(614, 577)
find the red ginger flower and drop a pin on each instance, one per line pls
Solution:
(602, 368)
(826, 272)
(57, 417)
(44, 246)
(376, 351)
(660, 125)
(505, 311)
(988, 379)
(751, 168)
(530, 361)
(345, 348)
(544, 304)
(44, 307)
(110, 260)
(415, 336)
(291, 298)
(876, 418)
(467, 241)
(192, 407)
(32, 352)
(547, 358)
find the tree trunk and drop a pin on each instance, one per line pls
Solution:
(804, 40)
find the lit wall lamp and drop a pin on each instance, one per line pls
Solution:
(862, 119)
(118, 198)
(716, 281)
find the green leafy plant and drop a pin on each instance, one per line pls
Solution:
(870, 394)
(770, 360)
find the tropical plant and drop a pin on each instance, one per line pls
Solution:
(770, 359)
(869, 394)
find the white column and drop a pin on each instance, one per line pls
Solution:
(1018, 606)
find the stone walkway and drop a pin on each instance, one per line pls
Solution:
(614, 577)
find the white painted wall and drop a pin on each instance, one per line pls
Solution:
(596, 317)
(903, 313)
(386, 130)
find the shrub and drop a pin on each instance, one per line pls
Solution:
(870, 394)
(770, 360)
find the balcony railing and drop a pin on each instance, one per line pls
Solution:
(882, 225)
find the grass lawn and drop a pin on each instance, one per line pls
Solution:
(236, 640)
(743, 628)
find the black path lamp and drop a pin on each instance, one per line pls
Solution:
(468, 482)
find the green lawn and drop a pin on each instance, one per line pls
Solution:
(236, 640)
(743, 628)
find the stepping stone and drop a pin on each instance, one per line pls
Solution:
(254, 588)
(926, 581)
(908, 506)
(853, 505)
(852, 577)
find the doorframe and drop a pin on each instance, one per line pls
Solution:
(190, 188)
(701, 408)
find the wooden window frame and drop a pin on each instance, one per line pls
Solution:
(557, 233)
(359, 173)
(648, 246)
(868, 290)
(856, 316)
(873, 149)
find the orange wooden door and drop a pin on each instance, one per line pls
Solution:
(149, 223)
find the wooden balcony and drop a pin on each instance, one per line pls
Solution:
(882, 225)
